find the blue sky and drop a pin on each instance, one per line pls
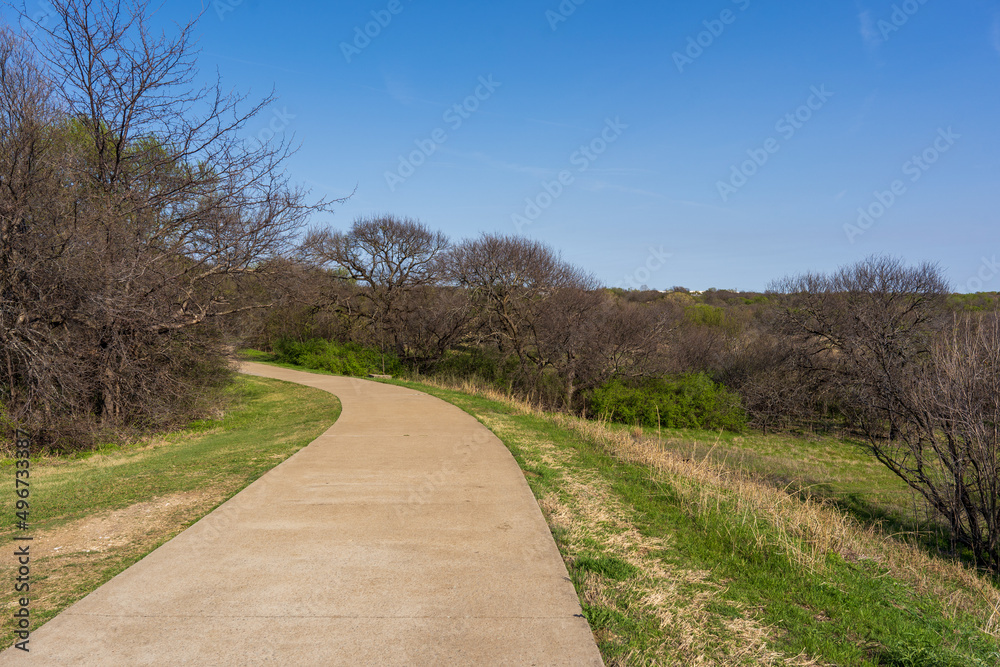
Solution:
(668, 124)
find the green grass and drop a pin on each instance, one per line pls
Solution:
(197, 468)
(672, 572)
(824, 467)
(736, 578)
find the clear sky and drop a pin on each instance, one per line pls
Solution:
(710, 144)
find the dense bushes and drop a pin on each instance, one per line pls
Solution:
(135, 223)
(687, 401)
(340, 358)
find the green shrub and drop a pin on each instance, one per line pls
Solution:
(705, 315)
(340, 358)
(687, 401)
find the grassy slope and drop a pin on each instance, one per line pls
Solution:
(195, 470)
(820, 466)
(678, 563)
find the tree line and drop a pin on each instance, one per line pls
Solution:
(880, 350)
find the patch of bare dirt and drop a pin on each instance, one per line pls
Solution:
(74, 559)
(112, 530)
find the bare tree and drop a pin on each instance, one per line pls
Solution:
(308, 302)
(433, 320)
(388, 257)
(564, 335)
(510, 278)
(634, 338)
(133, 214)
(925, 395)
(764, 369)
(589, 337)
(36, 363)
(948, 446)
(863, 329)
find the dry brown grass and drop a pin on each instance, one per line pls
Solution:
(587, 515)
(808, 530)
(483, 390)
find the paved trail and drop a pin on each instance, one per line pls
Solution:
(404, 535)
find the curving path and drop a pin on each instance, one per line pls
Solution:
(404, 535)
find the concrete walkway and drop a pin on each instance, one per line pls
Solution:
(404, 535)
